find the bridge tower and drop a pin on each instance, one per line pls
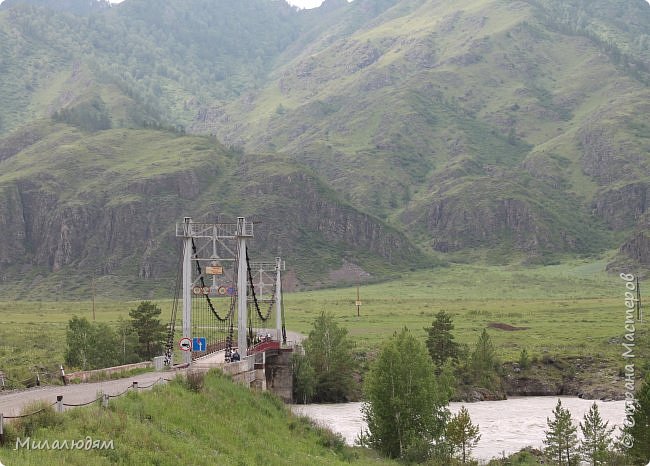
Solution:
(213, 245)
(264, 271)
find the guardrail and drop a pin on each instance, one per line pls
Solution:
(85, 375)
(60, 405)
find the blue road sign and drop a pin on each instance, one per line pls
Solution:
(198, 344)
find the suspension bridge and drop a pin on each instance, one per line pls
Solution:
(231, 306)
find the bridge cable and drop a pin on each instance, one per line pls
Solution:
(172, 325)
(254, 296)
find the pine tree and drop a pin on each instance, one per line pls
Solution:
(151, 332)
(484, 362)
(461, 434)
(596, 437)
(637, 437)
(440, 340)
(561, 437)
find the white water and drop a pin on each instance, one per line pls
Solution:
(505, 426)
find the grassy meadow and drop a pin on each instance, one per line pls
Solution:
(572, 309)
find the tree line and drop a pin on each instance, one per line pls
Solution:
(94, 345)
(407, 388)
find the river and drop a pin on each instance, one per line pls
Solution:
(506, 426)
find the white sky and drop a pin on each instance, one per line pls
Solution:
(298, 3)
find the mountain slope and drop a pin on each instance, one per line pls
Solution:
(114, 214)
(358, 132)
(484, 94)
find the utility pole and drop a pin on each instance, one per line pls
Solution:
(639, 313)
(93, 289)
(358, 302)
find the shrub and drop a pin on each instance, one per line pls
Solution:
(194, 380)
(42, 415)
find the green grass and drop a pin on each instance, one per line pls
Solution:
(223, 424)
(572, 309)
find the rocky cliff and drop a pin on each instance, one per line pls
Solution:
(121, 221)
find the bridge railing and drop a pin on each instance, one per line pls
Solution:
(264, 346)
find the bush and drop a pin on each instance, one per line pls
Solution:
(194, 380)
(43, 416)
(9, 435)
(524, 360)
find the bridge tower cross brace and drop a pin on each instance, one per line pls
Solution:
(215, 233)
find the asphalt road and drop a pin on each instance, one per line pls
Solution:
(11, 402)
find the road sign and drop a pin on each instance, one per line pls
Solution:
(357, 303)
(185, 344)
(214, 270)
(221, 291)
(198, 344)
(231, 291)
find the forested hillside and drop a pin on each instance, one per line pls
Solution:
(372, 135)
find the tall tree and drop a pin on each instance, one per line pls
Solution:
(596, 437)
(638, 435)
(461, 435)
(403, 403)
(79, 338)
(151, 333)
(484, 361)
(329, 352)
(91, 345)
(304, 378)
(440, 340)
(561, 438)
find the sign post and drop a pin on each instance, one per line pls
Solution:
(199, 344)
(185, 344)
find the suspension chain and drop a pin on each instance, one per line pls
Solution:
(210, 305)
(254, 296)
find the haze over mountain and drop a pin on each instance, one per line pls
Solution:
(369, 136)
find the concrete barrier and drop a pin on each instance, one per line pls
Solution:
(84, 376)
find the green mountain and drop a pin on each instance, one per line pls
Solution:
(370, 135)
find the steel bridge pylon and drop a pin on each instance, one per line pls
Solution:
(208, 250)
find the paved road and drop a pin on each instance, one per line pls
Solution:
(12, 402)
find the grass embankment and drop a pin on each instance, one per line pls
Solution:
(222, 423)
